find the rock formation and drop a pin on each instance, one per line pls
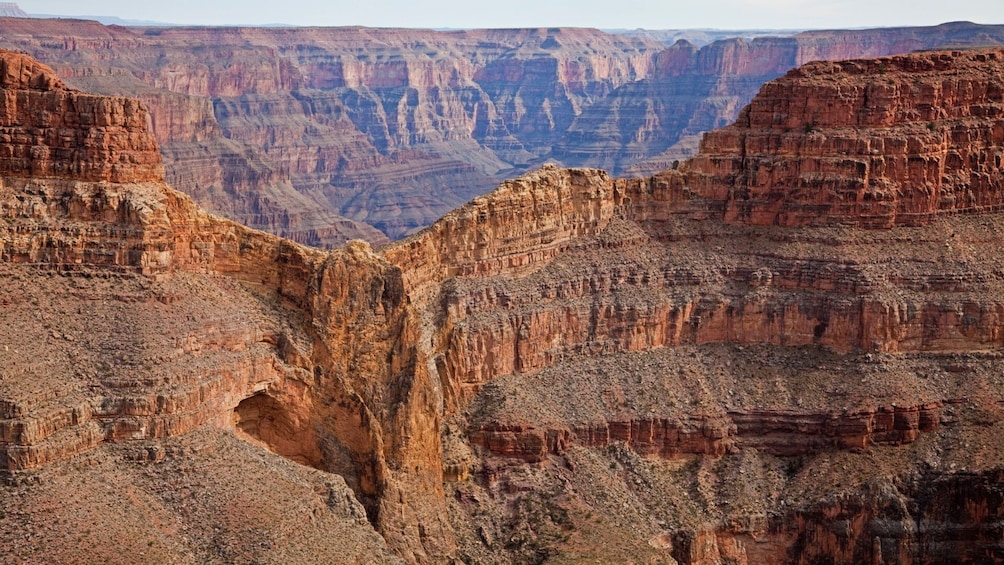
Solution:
(766, 355)
(774, 330)
(132, 315)
(323, 135)
(876, 153)
(657, 317)
(394, 135)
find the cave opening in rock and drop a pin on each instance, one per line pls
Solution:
(819, 330)
(289, 430)
(265, 421)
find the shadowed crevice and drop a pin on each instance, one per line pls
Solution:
(265, 421)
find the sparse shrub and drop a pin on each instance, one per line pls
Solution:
(794, 466)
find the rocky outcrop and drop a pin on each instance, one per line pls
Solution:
(899, 149)
(844, 337)
(77, 136)
(803, 297)
(489, 237)
(228, 356)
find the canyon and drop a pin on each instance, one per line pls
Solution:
(786, 349)
(324, 135)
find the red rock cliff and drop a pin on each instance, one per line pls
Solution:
(785, 374)
(171, 347)
(92, 138)
(569, 309)
(879, 142)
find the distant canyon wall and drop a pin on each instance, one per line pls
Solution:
(323, 135)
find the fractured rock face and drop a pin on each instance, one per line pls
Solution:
(792, 343)
(133, 316)
(79, 136)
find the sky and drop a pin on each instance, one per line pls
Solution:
(604, 14)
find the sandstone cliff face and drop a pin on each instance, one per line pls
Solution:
(193, 330)
(531, 322)
(875, 152)
(323, 135)
(573, 366)
(85, 137)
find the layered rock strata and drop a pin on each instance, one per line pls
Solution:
(677, 368)
(49, 134)
(843, 337)
(645, 126)
(864, 151)
(783, 433)
(323, 135)
(173, 320)
(391, 128)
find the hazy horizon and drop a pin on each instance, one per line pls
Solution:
(622, 14)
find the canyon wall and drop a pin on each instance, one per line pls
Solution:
(710, 364)
(122, 325)
(874, 153)
(304, 125)
(643, 127)
(697, 313)
(99, 139)
(324, 135)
